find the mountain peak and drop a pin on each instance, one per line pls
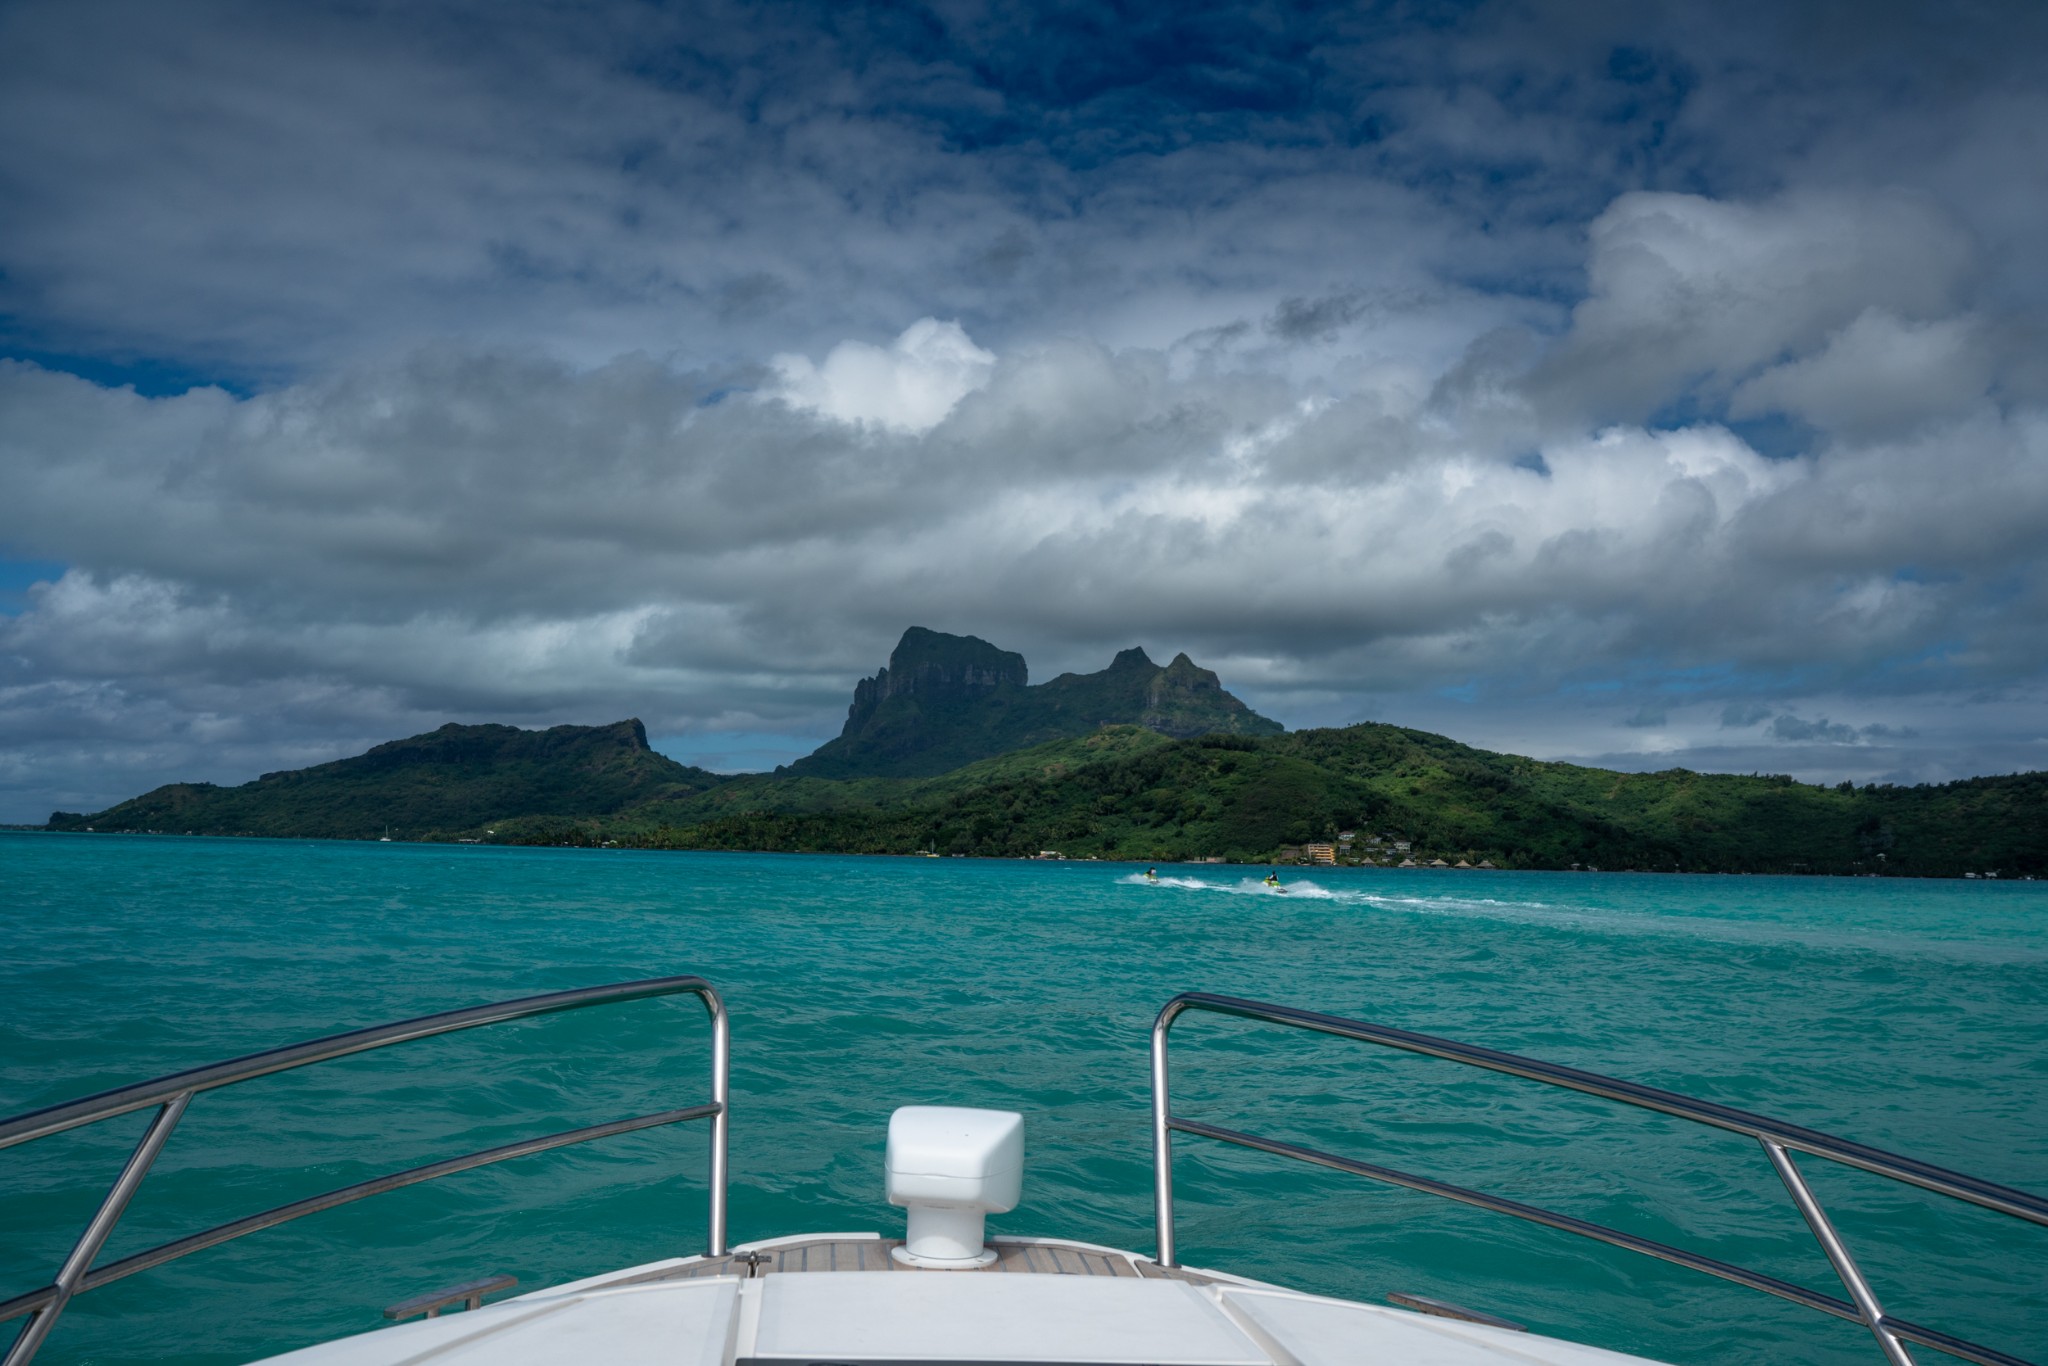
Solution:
(937, 659)
(936, 668)
(946, 700)
(454, 778)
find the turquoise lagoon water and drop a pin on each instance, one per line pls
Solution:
(1912, 1015)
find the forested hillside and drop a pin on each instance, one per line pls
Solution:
(1129, 793)
(449, 782)
(1134, 791)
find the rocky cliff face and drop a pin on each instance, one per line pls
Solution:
(935, 667)
(1182, 698)
(944, 701)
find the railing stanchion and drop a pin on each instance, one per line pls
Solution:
(98, 1229)
(1838, 1255)
(721, 1096)
(1162, 1140)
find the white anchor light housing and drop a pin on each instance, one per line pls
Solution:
(951, 1167)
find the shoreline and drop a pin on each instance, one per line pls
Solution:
(1298, 868)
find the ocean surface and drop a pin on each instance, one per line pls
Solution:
(1910, 1015)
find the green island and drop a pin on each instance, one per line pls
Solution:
(950, 750)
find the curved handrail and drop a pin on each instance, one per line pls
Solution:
(1778, 1139)
(174, 1092)
(127, 1099)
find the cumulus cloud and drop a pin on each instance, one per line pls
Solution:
(1432, 376)
(907, 386)
(1877, 374)
(479, 534)
(247, 190)
(1686, 291)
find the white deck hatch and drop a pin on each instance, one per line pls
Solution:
(877, 1316)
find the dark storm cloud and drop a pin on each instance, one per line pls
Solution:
(255, 186)
(1793, 728)
(1824, 731)
(1528, 369)
(1316, 319)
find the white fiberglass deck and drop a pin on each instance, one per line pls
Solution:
(1073, 1303)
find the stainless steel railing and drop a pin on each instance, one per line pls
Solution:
(1779, 1142)
(173, 1094)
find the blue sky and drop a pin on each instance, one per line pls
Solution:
(1640, 384)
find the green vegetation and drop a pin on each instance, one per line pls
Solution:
(1133, 794)
(1135, 762)
(448, 783)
